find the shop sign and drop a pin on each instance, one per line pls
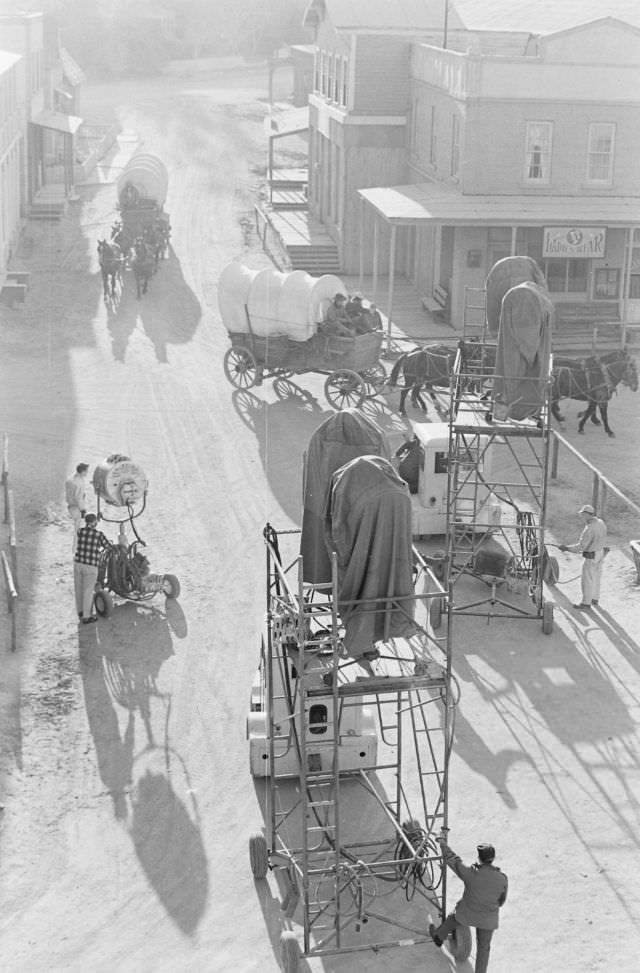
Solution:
(574, 241)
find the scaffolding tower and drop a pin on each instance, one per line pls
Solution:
(497, 488)
(355, 757)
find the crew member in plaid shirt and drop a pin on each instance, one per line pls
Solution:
(85, 567)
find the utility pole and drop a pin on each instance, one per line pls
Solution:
(446, 23)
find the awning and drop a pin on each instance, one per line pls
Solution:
(289, 122)
(71, 70)
(69, 124)
(440, 204)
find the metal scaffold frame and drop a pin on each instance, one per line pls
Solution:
(497, 489)
(349, 749)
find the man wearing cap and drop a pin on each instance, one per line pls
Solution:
(75, 490)
(591, 544)
(485, 892)
(91, 542)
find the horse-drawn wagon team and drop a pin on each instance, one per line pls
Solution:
(282, 324)
(140, 236)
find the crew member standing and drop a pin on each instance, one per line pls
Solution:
(485, 892)
(85, 567)
(591, 544)
(75, 489)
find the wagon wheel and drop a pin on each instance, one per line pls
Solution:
(258, 855)
(241, 367)
(374, 379)
(344, 389)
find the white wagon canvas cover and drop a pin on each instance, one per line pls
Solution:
(269, 303)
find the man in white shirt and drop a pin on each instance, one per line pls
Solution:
(75, 490)
(591, 544)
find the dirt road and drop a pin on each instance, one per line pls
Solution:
(127, 798)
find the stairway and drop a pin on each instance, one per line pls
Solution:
(49, 203)
(316, 259)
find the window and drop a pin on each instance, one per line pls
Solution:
(607, 283)
(538, 152)
(345, 81)
(566, 276)
(317, 80)
(433, 142)
(600, 152)
(455, 146)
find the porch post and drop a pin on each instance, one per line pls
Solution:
(374, 282)
(626, 286)
(392, 270)
(361, 261)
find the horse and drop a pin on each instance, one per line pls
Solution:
(111, 261)
(142, 264)
(592, 380)
(432, 366)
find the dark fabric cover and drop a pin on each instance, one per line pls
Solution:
(341, 437)
(524, 348)
(505, 274)
(368, 525)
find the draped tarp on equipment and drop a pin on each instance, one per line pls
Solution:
(505, 274)
(340, 438)
(523, 353)
(368, 525)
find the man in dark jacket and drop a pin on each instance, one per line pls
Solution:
(485, 892)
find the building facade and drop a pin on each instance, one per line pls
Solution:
(11, 154)
(434, 163)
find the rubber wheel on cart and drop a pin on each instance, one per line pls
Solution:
(551, 571)
(547, 618)
(460, 943)
(435, 613)
(374, 379)
(258, 855)
(241, 367)
(103, 603)
(344, 389)
(170, 586)
(290, 952)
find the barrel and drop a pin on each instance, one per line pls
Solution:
(147, 175)
(120, 481)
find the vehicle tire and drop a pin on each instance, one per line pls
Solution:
(344, 389)
(171, 586)
(547, 618)
(551, 571)
(258, 855)
(102, 603)
(291, 952)
(241, 367)
(374, 379)
(435, 613)
(460, 943)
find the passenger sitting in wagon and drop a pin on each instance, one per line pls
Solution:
(362, 319)
(336, 320)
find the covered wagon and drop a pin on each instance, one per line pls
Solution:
(142, 192)
(274, 321)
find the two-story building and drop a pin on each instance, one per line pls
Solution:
(434, 161)
(11, 154)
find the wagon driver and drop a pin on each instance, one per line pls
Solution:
(336, 319)
(591, 544)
